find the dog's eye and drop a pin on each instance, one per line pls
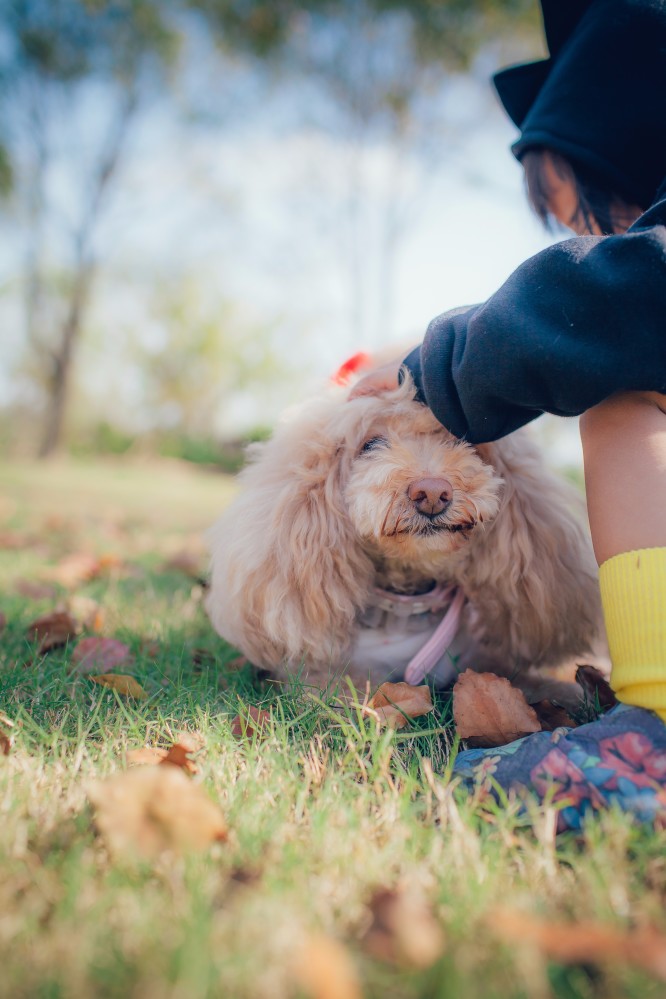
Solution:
(373, 443)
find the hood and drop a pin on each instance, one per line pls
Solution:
(600, 97)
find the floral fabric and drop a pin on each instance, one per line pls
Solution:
(618, 759)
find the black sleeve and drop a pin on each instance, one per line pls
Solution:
(574, 324)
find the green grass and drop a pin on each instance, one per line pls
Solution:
(321, 813)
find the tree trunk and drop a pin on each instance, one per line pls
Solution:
(62, 356)
(61, 376)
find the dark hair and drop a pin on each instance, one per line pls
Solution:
(596, 203)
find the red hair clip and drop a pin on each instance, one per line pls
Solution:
(350, 367)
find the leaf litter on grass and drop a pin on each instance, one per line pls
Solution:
(179, 754)
(403, 930)
(489, 711)
(100, 655)
(250, 723)
(346, 835)
(6, 734)
(583, 942)
(143, 812)
(126, 686)
(53, 630)
(395, 703)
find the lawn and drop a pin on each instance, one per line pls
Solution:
(351, 866)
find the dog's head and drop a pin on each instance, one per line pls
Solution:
(413, 493)
(344, 488)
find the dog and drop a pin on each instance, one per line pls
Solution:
(368, 542)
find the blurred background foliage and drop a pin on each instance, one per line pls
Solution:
(204, 202)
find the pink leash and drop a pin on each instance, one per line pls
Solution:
(433, 650)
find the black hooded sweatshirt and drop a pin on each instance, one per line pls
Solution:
(587, 317)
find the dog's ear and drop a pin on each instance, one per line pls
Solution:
(535, 566)
(288, 574)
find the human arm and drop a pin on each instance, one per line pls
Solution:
(576, 323)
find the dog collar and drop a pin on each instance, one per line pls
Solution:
(407, 605)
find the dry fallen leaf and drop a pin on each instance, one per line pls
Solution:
(146, 755)
(73, 569)
(552, 716)
(488, 711)
(127, 686)
(596, 687)
(252, 723)
(53, 630)
(584, 942)
(395, 703)
(109, 562)
(323, 969)
(5, 737)
(177, 755)
(151, 809)
(100, 655)
(404, 930)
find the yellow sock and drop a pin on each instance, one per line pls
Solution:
(633, 594)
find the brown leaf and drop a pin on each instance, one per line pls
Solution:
(324, 969)
(251, 724)
(100, 655)
(404, 930)
(584, 942)
(126, 686)
(596, 687)
(34, 590)
(5, 737)
(552, 716)
(3, 621)
(145, 756)
(395, 703)
(52, 630)
(151, 809)
(74, 569)
(179, 755)
(108, 562)
(488, 711)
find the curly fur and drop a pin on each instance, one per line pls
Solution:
(320, 520)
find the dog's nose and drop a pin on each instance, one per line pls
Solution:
(430, 496)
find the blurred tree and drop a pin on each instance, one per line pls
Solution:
(51, 52)
(55, 54)
(202, 352)
(375, 76)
